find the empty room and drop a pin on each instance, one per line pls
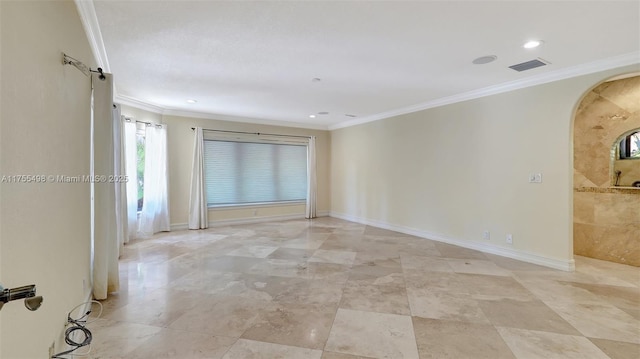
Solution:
(319, 179)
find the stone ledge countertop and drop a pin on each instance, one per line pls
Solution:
(625, 190)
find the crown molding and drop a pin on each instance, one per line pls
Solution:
(230, 118)
(134, 102)
(561, 74)
(89, 19)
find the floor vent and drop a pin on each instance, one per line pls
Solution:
(528, 65)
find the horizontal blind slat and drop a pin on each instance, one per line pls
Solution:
(244, 172)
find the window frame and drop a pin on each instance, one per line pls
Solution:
(258, 139)
(624, 146)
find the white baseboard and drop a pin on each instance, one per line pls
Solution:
(565, 265)
(248, 220)
(252, 220)
(179, 226)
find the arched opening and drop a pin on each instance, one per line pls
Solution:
(625, 160)
(606, 208)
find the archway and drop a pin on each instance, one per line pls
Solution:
(606, 218)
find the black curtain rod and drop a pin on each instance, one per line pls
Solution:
(146, 123)
(253, 133)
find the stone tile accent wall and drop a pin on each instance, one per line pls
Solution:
(606, 221)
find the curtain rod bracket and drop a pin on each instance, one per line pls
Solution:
(68, 60)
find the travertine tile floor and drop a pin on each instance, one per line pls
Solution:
(333, 289)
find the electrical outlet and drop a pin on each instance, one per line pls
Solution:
(535, 178)
(486, 235)
(52, 350)
(509, 238)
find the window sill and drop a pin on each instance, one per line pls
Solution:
(255, 205)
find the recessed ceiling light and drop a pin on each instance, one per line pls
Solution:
(316, 79)
(532, 44)
(323, 113)
(191, 101)
(349, 115)
(312, 116)
(485, 59)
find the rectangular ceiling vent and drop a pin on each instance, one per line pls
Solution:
(529, 65)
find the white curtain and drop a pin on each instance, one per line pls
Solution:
(119, 179)
(154, 216)
(198, 216)
(311, 179)
(104, 229)
(131, 171)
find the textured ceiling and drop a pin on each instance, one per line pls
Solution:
(374, 59)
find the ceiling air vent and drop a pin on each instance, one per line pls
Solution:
(529, 65)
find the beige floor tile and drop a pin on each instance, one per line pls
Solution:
(281, 268)
(621, 297)
(289, 284)
(312, 241)
(617, 350)
(253, 251)
(301, 325)
(250, 349)
(160, 308)
(422, 247)
(231, 264)
(528, 344)
(116, 339)
(558, 291)
(375, 298)
(337, 273)
(375, 335)
(532, 315)
(600, 321)
(335, 257)
(512, 264)
(330, 355)
(477, 286)
(477, 266)
(383, 259)
(182, 345)
(449, 339)
(206, 281)
(491, 287)
(309, 291)
(294, 254)
(439, 304)
(450, 251)
(221, 316)
(419, 264)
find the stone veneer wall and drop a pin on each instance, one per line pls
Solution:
(606, 222)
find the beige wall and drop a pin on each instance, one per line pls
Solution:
(630, 171)
(606, 221)
(180, 148)
(451, 172)
(44, 228)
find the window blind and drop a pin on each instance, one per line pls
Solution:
(248, 172)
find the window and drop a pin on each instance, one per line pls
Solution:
(140, 164)
(250, 172)
(630, 146)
